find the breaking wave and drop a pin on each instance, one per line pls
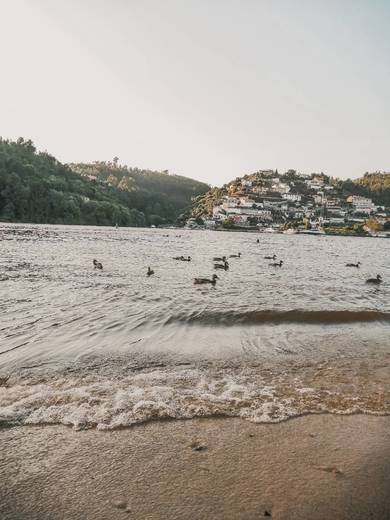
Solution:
(330, 317)
(258, 395)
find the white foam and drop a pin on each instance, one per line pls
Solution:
(96, 401)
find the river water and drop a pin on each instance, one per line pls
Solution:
(111, 348)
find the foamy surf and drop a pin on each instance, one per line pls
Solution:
(260, 396)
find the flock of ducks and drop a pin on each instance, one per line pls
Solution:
(221, 262)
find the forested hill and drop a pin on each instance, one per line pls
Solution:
(35, 187)
(157, 194)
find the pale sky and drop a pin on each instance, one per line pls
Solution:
(210, 89)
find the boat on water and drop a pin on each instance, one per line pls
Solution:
(317, 231)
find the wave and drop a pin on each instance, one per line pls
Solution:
(255, 395)
(232, 318)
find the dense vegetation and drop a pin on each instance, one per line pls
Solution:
(159, 195)
(35, 187)
(373, 185)
(203, 204)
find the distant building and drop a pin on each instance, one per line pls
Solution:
(280, 187)
(293, 197)
(361, 204)
(219, 214)
(315, 184)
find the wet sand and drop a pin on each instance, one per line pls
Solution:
(313, 467)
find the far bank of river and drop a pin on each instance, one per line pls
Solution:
(304, 232)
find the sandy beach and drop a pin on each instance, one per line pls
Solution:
(313, 467)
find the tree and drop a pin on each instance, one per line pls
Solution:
(228, 224)
(252, 221)
(373, 225)
(156, 220)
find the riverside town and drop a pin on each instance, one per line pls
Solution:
(293, 203)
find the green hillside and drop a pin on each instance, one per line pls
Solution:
(159, 195)
(373, 185)
(35, 187)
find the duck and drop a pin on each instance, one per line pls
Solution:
(257, 241)
(353, 265)
(376, 280)
(273, 257)
(225, 266)
(277, 264)
(182, 258)
(97, 265)
(212, 281)
(150, 271)
(238, 255)
(219, 259)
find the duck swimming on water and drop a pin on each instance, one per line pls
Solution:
(150, 271)
(182, 258)
(225, 266)
(238, 255)
(376, 280)
(219, 259)
(97, 265)
(277, 264)
(212, 281)
(353, 265)
(273, 257)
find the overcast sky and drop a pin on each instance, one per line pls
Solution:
(210, 89)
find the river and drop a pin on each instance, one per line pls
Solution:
(113, 347)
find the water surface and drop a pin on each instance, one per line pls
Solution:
(111, 348)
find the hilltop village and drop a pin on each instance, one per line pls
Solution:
(292, 203)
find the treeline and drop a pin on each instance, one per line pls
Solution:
(160, 196)
(35, 187)
(377, 186)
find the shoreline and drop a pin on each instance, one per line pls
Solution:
(310, 467)
(172, 228)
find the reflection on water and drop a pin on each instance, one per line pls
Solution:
(112, 347)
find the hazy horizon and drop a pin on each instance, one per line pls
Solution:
(208, 91)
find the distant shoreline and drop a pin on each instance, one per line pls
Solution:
(177, 228)
(294, 234)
